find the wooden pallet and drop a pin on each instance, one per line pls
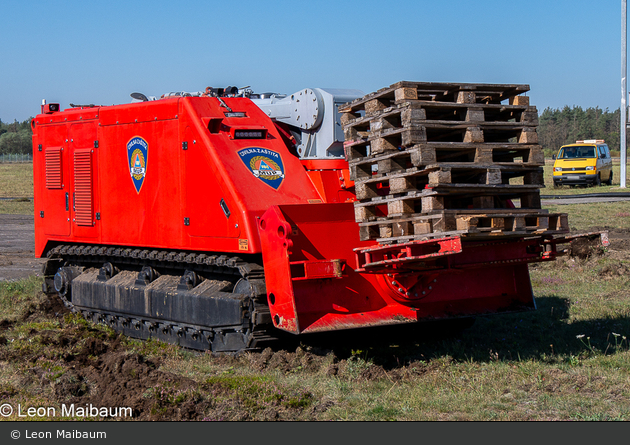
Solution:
(498, 222)
(436, 92)
(397, 139)
(414, 113)
(419, 155)
(447, 196)
(437, 159)
(418, 178)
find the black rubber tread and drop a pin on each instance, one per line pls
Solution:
(219, 264)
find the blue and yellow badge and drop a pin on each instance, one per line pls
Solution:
(137, 153)
(264, 164)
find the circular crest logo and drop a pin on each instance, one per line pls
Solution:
(265, 167)
(264, 164)
(137, 154)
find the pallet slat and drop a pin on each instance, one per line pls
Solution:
(438, 92)
(440, 174)
(450, 222)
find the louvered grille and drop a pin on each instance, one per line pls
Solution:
(83, 187)
(53, 168)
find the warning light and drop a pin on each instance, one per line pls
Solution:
(250, 134)
(50, 108)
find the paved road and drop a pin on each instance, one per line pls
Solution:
(17, 247)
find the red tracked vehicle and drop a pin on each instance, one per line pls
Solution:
(216, 220)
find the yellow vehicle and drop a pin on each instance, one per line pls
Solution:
(583, 163)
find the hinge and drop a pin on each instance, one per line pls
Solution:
(186, 221)
(184, 145)
(95, 144)
(41, 214)
(98, 216)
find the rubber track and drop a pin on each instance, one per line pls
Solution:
(168, 259)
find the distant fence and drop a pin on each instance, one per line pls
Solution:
(18, 157)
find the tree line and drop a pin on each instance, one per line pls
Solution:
(16, 138)
(556, 127)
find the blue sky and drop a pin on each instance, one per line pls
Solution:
(99, 52)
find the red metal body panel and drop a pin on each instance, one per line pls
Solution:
(332, 179)
(192, 163)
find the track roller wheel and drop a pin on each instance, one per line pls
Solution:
(147, 275)
(107, 271)
(189, 280)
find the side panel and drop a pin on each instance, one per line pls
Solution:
(231, 181)
(84, 196)
(206, 209)
(140, 189)
(53, 184)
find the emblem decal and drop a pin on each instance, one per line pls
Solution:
(264, 164)
(137, 154)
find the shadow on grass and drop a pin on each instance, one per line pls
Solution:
(543, 335)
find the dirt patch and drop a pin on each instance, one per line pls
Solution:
(585, 248)
(5, 324)
(614, 270)
(619, 238)
(84, 364)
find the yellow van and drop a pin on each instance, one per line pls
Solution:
(585, 162)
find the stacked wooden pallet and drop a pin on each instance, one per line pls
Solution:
(435, 159)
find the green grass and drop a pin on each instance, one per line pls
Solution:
(599, 214)
(16, 180)
(20, 206)
(16, 296)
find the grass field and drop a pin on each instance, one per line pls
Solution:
(568, 360)
(16, 181)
